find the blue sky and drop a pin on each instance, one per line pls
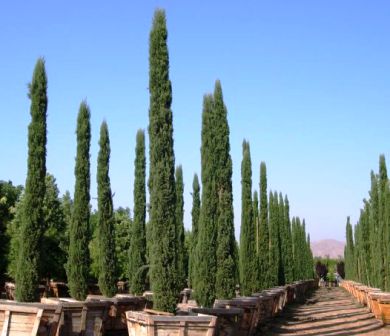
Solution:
(306, 82)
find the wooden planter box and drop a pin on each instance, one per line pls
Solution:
(266, 306)
(374, 303)
(81, 318)
(384, 307)
(228, 320)
(145, 324)
(116, 324)
(251, 316)
(21, 315)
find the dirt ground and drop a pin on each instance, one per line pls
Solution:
(329, 311)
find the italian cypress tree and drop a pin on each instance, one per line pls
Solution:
(226, 251)
(248, 262)
(78, 258)
(205, 252)
(181, 251)
(32, 224)
(264, 242)
(137, 253)
(274, 241)
(374, 234)
(195, 212)
(106, 235)
(163, 271)
(282, 241)
(383, 191)
(288, 258)
(349, 253)
(256, 219)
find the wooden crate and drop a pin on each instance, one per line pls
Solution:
(19, 320)
(115, 323)
(384, 307)
(81, 318)
(49, 322)
(228, 320)
(145, 324)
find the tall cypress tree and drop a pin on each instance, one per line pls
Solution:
(274, 241)
(248, 262)
(163, 271)
(349, 254)
(137, 256)
(383, 191)
(282, 241)
(226, 248)
(264, 242)
(288, 258)
(256, 219)
(33, 219)
(195, 212)
(79, 236)
(205, 252)
(107, 263)
(181, 251)
(374, 234)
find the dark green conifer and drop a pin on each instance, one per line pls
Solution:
(383, 222)
(274, 241)
(226, 253)
(79, 236)
(32, 224)
(106, 235)
(264, 241)
(195, 212)
(288, 260)
(181, 251)
(256, 219)
(282, 242)
(137, 257)
(248, 262)
(205, 252)
(163, 255)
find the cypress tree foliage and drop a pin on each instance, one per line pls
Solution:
(248, 262)
(137, 253)
(181, 251)
(163, 258)
(274, 239)
(374, 234)
(107, 262)
(282, 241)
(32, 224)
(123, 225)
(349, 254)
(78, 258)
(383, 191)
(226, 252)
(264, 241)
(288, 256)
(256, 219)
(195, 212)
(205, 252)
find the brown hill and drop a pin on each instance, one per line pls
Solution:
(328, 247)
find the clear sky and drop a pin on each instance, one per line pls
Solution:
(306, 82)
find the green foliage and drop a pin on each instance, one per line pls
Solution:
(32, 221)
(123, 227)
(9, 197)
(163, 263)
(137, 256)
(78, 259)
(248, 260)
(256, 218)
(287, 241)
(264, 239)
(106, 235)
(226, 254)
(181, 250)
(54, 244)
(274, 254)
(206, 265)
(195, 212)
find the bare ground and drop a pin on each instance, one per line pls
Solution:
(329, 311)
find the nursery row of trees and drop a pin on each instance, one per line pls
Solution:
(50, 237)
(367, 251)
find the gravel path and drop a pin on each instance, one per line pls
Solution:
(329, 311)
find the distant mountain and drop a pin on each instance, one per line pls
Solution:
(328, 247)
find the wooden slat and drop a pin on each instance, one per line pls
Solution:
(36, 323)
(7, 316)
